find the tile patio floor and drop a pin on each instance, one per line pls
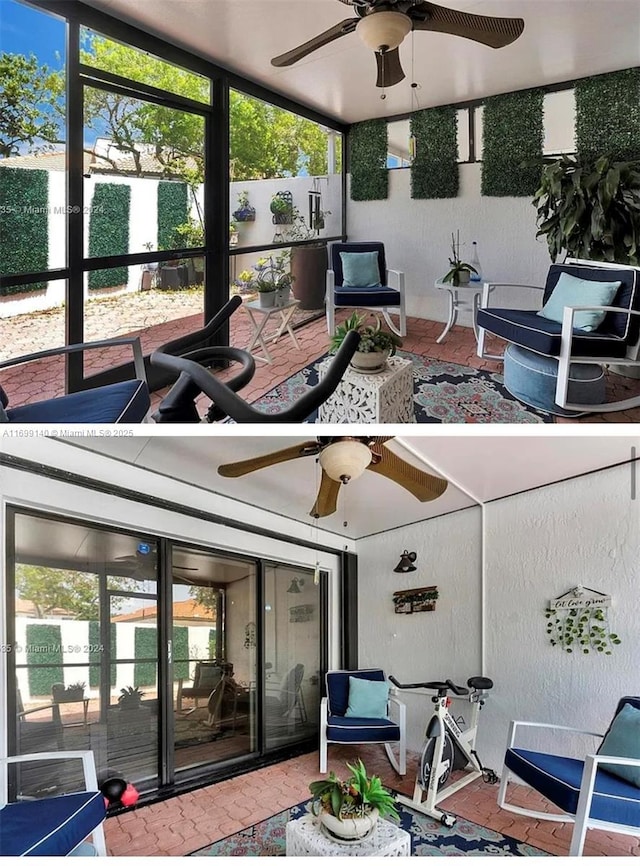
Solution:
(190, 821)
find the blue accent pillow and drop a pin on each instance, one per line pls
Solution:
(360, 270)
(367, 699)
(573, 292)
(623, 741)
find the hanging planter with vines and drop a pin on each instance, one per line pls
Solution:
(577, 621)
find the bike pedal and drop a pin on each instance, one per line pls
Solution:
(490, 777)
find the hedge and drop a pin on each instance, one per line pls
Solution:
(434, 172)
(47, 642)
(146, 647)
(173, 211)
(513, 134)
(181, 651)
(109, 232)
(368, 160)
(608, 115)
(24, 228)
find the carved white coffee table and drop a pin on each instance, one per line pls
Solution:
(305, 838)
(371, 398)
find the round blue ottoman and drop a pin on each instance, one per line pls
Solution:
(532, 378)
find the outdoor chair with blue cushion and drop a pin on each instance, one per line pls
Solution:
(52, 826)
(590, 317)
(602, 792)
(359, 278)
(357, 710)
(119, 403)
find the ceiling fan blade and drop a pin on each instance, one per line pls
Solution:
(487, 29)
(243, 467)
(390, 70)
(330, 35)
(184, 568)
(422, 485)
(327, 500)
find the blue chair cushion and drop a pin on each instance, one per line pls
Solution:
(350, 729)
(51, 827)
(558, 779)
(120, 403)
(529, 330)
(376, 296)
(364, 247)
(338, 687)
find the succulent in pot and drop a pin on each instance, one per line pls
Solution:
(375, 346)
(130, 698)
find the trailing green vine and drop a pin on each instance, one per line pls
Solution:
(24, 232)
(434, 172)
(368, 160)
(608, 115)
(581, 629)
(109, 232)
(513, 136)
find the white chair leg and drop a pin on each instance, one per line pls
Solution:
(392, 327)
(584, 806)
(323, 752)
(99, 842)
(502, 790)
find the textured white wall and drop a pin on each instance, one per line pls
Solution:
(417, 235)
(435, 645)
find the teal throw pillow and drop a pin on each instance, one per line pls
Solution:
(367, 699)
(573, 292)
(623, 741)
(360, 270)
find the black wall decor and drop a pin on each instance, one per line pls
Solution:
(416, 600)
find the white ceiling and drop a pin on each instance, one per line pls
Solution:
(563, 39)
(486, 467)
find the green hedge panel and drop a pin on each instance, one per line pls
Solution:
(109, 231)
(24, 227)
(608, 115)
(513, 134)
(44, 648)
(146, 646)
(434, 172)
(180, 652)
(94, 640)
(173, 211)
(368, 160)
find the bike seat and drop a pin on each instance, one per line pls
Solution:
(480, 683)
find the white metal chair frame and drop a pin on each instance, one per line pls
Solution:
(581, 820)
(565, 358)
(90, 782)
(398, 310)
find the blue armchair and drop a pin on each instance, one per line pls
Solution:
(383, 298)
(335, 727)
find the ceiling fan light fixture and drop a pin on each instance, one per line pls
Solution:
(345, 460)
(383, 30)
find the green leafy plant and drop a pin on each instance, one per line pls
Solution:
(189, 234)
(368, 144)
(434, 171)
(353, 797)
(457, 265)
(130, 697)
(76, 687)
(372, 337)
(300, 231)
(280, 204)
(581, 629)
(268, 275)
(591, 209)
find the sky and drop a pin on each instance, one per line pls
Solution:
(24, 30)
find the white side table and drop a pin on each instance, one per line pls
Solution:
(370, 398)
(305, 838)
(465, 297)
(260, 316)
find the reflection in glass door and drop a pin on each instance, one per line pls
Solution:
(292, 655)
(214, 657)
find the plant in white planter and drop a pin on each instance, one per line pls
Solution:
(270, 278)
(375, 346)
(459, 272)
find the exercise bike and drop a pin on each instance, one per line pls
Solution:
(447, 747)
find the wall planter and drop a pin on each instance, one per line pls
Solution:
(577, 622)
(418, 600)
(281, 207)
(245, 214)
(309, 269)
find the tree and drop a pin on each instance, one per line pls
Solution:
(30, 105)
(75, 592)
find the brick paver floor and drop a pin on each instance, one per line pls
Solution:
(186, 823)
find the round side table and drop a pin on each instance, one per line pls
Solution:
(305, 838)
(465, 297)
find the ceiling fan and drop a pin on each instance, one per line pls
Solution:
(383, 24)
(145, 555)
(343, 459)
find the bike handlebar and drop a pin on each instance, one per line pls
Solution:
(443, 687)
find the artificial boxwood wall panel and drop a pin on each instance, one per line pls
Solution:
(434, 172)
(146, 646)
(368, 160)
(44, 647)
(173, 211)
(180, 651)
(24, 228)
(109, 232)
(608, 115)
(513, 135)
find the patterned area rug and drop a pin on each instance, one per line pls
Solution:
(428, 838)
(444, 393)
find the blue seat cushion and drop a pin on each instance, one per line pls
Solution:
(120, 403)
(370, 296)
(527, 329)
(51, 827)
(338, 687)
(351, 729)
(558, 779)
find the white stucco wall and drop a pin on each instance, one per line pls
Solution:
(433, 645)
(417, 237)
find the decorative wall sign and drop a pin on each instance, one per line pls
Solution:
(577, 621)
(416, 600)
(301, 613)
(580, 596)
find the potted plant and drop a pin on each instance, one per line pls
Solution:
(270, 278)
(191, 234)
(281, 206)
(349, 809)
(375, 344)
(590, 208)
(460, 272)
(72, 692)
(245, 213)
(308, 263)
(149, 270)
(130, 698)
(233, 235)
